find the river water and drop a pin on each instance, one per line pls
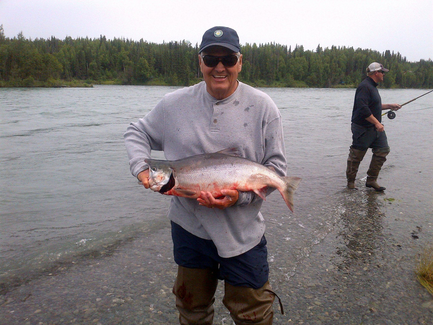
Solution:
(66, 192)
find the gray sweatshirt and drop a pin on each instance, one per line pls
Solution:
(189, 122)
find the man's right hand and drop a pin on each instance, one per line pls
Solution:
(143, 177)
(379, 127)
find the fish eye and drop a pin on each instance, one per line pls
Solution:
(153, 169)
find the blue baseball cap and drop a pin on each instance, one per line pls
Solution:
(220, 36)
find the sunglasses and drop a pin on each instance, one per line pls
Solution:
(227, 61)
(382, 72)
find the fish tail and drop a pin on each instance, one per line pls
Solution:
(291, 184)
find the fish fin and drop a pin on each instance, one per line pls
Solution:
(291, 184)
(186, 193)
(262, 192)
(235, 152)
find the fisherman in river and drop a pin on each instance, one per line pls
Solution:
(216, 237)
(367, 129)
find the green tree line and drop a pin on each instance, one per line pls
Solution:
(54, 62)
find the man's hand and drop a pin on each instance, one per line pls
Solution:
(143, 177)
(395, 107)
(392, 107)
(379, 127)
(230, 198)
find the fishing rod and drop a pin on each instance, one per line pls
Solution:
(391, 114)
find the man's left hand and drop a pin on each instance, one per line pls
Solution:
(230, 198)
(394, 107)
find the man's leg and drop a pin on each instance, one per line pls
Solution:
(353, 160)
(377, 161)
(194, 290)
(248, 295)
(248, 305)
(362, 137)
(380, 151)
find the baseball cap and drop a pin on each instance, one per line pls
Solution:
(220, 36)
(375, 66)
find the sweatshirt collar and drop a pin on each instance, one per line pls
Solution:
(372, 81)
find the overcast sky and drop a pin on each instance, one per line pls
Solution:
(404, 26)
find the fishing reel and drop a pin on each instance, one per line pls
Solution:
(391, 115)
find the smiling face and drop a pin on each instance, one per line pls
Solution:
(221, 81)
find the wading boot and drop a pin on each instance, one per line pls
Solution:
(194, 290)
(377, 161)
(248, 305)
(353, 160)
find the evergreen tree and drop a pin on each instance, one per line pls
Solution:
(43, 62)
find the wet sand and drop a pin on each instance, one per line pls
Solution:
(356, 266)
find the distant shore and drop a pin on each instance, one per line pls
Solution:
(90, 83)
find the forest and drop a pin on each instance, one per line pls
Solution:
(83, 62)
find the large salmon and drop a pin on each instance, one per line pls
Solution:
(215, 172)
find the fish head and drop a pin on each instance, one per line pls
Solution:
(159, 174)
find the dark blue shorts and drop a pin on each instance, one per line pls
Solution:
(364, 138)
(249, 269)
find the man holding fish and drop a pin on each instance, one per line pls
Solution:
(224, 145)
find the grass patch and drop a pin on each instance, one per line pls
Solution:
(425, 269)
